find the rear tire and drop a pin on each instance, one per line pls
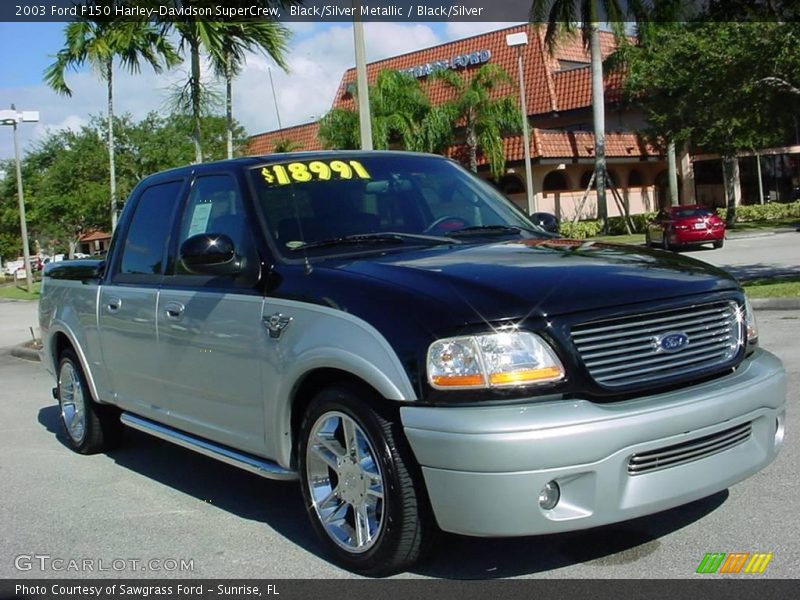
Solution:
(362, 488)
(88, 426)
(719, 243)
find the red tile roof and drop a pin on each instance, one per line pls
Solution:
(551, 143)
(305, 136)
(91, 236)
(541, 67)
(548, 89)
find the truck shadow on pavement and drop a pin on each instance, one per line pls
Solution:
(280, 505)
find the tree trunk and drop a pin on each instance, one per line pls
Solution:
(472, 144)
(730, 171)
(673, 174)
(196, 100)
(229, 103)
(599, 118)
(111, 159)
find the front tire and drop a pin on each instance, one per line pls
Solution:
(358, 482)
(89, 427)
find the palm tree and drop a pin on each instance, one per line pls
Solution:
(485, 117)
(562, 16)
(285, 145)
(225, 44)
(238, 38)
(99, 44)
(399, 109)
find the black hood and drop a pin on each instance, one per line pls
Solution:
(540, 278)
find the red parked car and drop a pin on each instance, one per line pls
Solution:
(688, 225)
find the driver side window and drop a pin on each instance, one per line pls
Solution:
(215, 206)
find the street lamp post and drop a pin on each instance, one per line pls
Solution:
(364, 116)
(519, 41)
(13, 117)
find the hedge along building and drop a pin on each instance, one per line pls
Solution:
(559, 102)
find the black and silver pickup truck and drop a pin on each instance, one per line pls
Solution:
(394, 333)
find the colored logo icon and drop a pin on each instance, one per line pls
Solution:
(734, 562)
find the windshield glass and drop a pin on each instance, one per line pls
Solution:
(686, 213)
(426, 199)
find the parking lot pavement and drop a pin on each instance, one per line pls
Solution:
(16, 316)
(150, 500)
(754, 257)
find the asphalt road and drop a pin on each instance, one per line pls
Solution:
(153, 501)
(754, 257)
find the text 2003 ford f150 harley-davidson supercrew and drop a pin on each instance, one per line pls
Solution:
(391, 331)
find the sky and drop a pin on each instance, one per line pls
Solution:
(318, 56)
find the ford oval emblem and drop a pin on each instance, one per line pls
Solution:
(673, 341)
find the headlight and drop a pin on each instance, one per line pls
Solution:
(750, 323)
(512, 358)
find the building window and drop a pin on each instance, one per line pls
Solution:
(635, 178)
(586, 178)
(555, 181)
(511, 184)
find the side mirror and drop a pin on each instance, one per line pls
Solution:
(547, 221)
(210, 254)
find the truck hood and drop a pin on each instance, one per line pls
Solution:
(542, 278)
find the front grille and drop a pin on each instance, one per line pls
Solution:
(686, 452)
(631, 350)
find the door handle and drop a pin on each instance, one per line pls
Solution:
(174, 310)
(113, 304)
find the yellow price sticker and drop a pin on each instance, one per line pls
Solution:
(315, 170)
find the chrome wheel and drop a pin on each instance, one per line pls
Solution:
(345, 481)
(73, 403)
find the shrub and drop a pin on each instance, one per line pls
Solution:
(580, 230)
(616, 226)
(764, 212)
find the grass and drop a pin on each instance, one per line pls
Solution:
(14, 291)
(772, 224)
(634, 238)
(775, 287)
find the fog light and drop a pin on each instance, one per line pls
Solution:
(779, 431)
(549, 496)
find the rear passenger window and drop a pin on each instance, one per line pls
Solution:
(147, 235)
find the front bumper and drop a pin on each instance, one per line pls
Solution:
(485, 466)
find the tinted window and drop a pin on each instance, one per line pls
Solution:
(215, 206)
(332, 197)
(143, 253)
(685, 213)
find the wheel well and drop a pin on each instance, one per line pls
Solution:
(60, 343)
(314, 382)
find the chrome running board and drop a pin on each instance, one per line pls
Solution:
(256, 465)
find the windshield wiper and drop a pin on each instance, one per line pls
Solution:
(384, 237)
(486, 230)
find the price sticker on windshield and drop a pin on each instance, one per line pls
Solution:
(315, 170)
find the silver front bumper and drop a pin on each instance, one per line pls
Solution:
(485, 466)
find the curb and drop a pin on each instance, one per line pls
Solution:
(775, 303)
(744, 235)
(25, 353)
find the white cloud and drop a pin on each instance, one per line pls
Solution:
(317, 59)
(460, 30)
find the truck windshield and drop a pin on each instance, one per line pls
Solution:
(342, 203)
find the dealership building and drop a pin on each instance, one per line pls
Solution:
(559, 107)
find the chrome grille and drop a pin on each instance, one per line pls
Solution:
(686, 452)
(626, 350)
